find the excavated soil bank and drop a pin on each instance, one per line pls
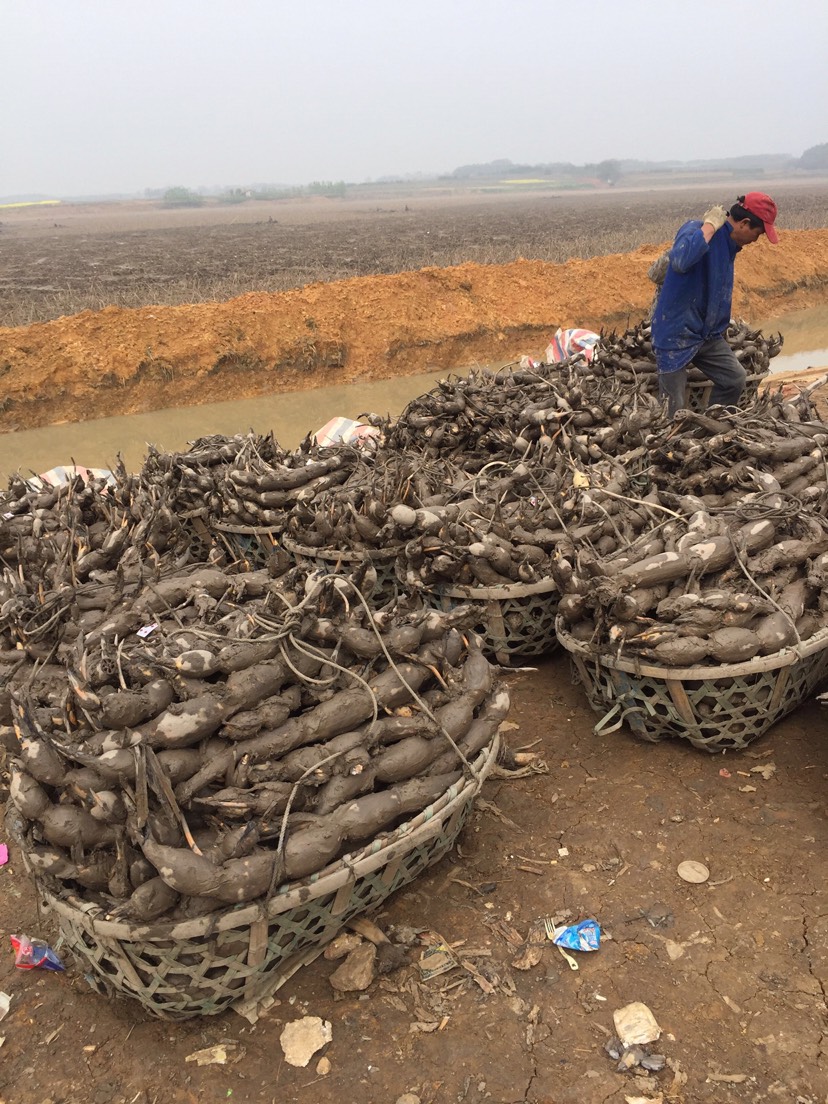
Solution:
(120, 361)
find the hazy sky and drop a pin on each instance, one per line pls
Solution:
(102, 96)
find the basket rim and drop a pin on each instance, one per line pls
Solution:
(785, 657)
(404, 838)
(754, 377)
(652, 373)
(511, 590)
(224, 527)
(335, 555)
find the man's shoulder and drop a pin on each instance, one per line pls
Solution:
(691, 224)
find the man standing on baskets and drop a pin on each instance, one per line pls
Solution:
(692, 311)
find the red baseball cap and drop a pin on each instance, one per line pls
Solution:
(764, 208)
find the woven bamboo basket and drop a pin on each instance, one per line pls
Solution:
(196, 526)
(247, 544)
(716, 708)
(335, 562)
(237, 957)
(698, 391)
(513, 621)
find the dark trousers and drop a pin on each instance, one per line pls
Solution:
(718, 362)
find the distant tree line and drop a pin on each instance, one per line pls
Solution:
(181, 197)
(608, 171)
(815, 158)
(333, 189)
(613, 169)
(188, 197)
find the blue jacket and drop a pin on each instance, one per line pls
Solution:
(694, 303)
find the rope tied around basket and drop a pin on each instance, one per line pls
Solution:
(600, 728)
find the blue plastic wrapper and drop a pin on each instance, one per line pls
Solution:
(585, 936)
(34, 954)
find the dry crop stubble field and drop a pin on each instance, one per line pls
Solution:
(61, 260)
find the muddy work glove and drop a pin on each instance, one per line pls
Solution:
(716, 217)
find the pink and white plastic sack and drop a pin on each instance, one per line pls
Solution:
(571, 343)
(347, 432)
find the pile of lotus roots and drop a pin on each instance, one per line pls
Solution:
(735, 562)
(221, 734)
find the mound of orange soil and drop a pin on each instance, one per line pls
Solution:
(119, 361)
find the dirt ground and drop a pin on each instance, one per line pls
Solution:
(735, 970)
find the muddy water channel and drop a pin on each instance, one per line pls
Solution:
(292, 415)
(806, 339)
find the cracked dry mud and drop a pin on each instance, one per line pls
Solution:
(734, 970)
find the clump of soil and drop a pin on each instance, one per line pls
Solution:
(123, 361)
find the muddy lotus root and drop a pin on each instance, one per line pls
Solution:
(258, 732)
(489, 417)
(629, 356)
(509, 528)
(711, 588)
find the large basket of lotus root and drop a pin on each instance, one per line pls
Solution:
(249, 545)
(335, 561)
(715, 708)
(238, 956)
(514, 621)
(699, 390)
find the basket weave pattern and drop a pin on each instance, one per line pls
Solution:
(714, 708)
(698, 392)
(237, 956)
(194, 524)
(513, 621)
(246, 543)
(333, 561)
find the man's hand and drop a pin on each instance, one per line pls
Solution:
(716, 217)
